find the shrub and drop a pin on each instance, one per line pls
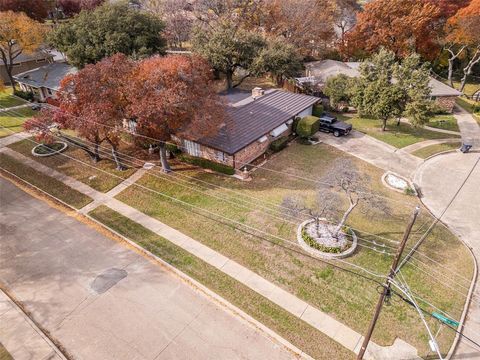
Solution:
(173, 149)
(317, 110)
(26, 95)
(207, 164)
(308, 126)
(315, 245)
(279, 144)
(295, 123)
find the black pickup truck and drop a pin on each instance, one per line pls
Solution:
(330, 124)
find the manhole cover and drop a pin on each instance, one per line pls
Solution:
(107, 279)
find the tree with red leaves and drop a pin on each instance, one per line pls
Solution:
(35, 9)
(402, 26)
(463, 40)
(73, 7)
(92, 102)
(173, 96)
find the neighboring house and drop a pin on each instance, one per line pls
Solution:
(251, 126)
(44, 81)
(25, 62)
(318, 72)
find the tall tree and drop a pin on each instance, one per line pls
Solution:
(229, 49)
(306, 24)
(374, 94)
(413, 78)
(93, 103)
(107, 30)
(402, 26)
(173, 96)
(73, 7)
(278, 58)
(463, 39)
(35, 9)
(18, 34)
(337, 88)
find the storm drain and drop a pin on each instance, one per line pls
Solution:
(107, 279)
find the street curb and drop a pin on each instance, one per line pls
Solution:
(44, 334)
(468, 302)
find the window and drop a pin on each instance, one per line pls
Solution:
(192, 148)
(279, 130)
(220, 156)
(49, 92)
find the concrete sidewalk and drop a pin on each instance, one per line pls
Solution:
(374, 151)
(21, 337)
(469, 127)
(323, 322)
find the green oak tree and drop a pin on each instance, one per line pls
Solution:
(278, 58)
(337, 88)
(109, 29)
(228, 49)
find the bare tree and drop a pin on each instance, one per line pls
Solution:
(342, 180)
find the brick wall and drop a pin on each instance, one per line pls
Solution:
(447, 103)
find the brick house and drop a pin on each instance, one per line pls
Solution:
(250, 128)
(318, 72)
(25, 62)
(44, 81)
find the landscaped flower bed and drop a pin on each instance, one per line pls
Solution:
(320, 238)
(49, 149)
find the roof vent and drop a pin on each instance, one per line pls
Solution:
(257, 92)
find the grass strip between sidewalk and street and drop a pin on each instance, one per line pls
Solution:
(294, 330)
(46, 183)
(435, 149)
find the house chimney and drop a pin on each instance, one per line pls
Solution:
(257, 92)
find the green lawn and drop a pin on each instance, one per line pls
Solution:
(444, 122)
(346, 297)
(285, 324)
(84, 170)
(435, 149)
(470, 87)
(8, 100)
(44, 182)
(13, 122)
(398, 136)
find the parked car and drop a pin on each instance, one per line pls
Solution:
(330, 124)
(36, 107)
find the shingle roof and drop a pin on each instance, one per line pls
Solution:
(441, 89)
(250, 122)
(320, 71)
(48, 76)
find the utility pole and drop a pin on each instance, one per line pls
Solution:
(386, 289)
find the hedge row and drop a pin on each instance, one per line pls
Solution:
(315, 245)
(207, 164)
(279, 144)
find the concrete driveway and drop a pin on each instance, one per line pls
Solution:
(101, 300)
(374, 151)
(439, 179)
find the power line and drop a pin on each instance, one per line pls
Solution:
(227, 219)
(167, 177)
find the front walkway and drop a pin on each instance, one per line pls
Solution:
(374, 151)
(314, 317)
